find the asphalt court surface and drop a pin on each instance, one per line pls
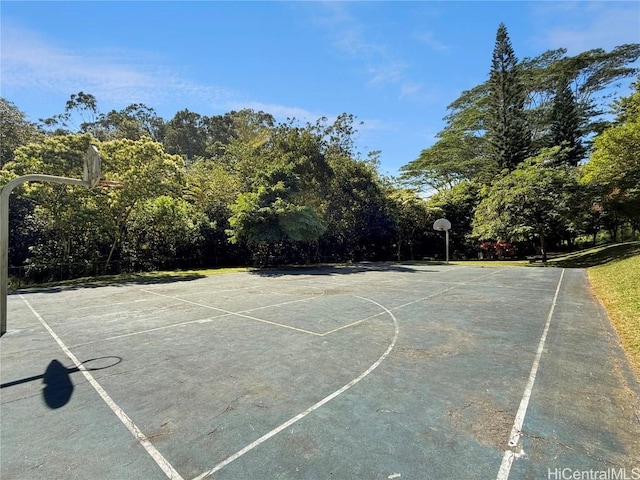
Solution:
(372, 371)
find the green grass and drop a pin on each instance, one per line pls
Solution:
(616, 283)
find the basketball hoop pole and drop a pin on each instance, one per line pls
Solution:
(440, 225)
(4, 231)
(447, 247)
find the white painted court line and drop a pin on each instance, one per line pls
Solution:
(190, 322)
(162, 462)
(238, 314)
(314, 407)
(516, 430)
(445, 290)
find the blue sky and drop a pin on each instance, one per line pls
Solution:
(394, 65)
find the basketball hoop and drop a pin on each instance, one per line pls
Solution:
(110, 184)
(444, 225)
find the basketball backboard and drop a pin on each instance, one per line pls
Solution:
(442, 225)
(92, 167)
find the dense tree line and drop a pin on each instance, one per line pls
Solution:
(528, 157)
(533, 155)
(232, 189)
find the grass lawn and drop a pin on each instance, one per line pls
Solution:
(617, 285)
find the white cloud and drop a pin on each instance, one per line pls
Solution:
(350, 38)
(280, 112)
(580, 26)
(429, 39)
(30, 62)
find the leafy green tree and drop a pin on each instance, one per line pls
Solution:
(414, 220)
(59, 223)
(79, 116)
(269, 215)
(358, 216)
(461, 150)
(508, 135)
(615, 163)
(186, 135)
(457, 156)
(165, 232)
(15, 130)
(535, 200)
(147, 172)
(133, 122)
(76, 226)
(458, 205)
(211, 188)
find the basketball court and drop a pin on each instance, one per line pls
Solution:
(370, 371)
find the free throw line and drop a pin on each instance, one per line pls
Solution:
(162, 462)
(516, 430)
(314, 407)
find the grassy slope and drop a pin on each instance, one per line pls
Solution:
(617, 286)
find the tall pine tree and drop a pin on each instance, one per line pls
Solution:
(566, 126)
(507, 131)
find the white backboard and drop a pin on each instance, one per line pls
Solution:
(442, 225)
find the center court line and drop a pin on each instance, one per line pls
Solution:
(315, 406)
(142, 439)
(516, 431)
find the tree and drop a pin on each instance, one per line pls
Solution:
(79, 116)
(457, 156)
(566, 126)
(147, 172)
(77, 226)
(615, 162)
(357, 214)
(507, 132)
(59, 223)
(458, 205)
(165, 232)
(133, 122)
(269, 215)
(461, 150)
(186, 135)
(15, 131)
(534, 200)
(413, 217)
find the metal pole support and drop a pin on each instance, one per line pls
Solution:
(4, 232)
(447, 242)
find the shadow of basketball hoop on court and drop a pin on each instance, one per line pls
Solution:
(58, 387)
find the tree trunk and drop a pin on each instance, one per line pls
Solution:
(113, 247)
(543, 248)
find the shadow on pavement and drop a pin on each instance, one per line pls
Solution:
(57, 380)
(347, 269)
(111, 282)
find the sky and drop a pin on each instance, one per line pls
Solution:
(394, 65)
